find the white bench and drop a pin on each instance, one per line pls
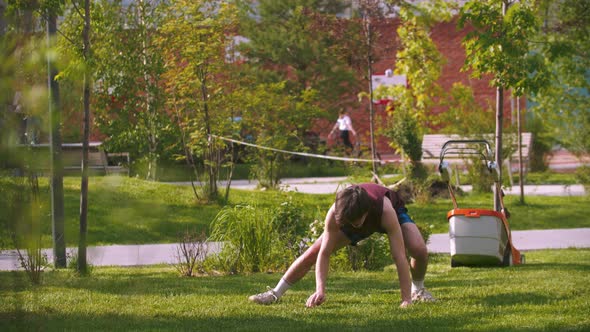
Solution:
(98, 159)
(432, 145)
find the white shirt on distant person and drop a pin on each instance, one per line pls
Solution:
(344, 123)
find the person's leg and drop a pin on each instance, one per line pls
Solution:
(344, 135)
(417, 250)
(418, 262)
(297, 271)
(303, 263)
(347, 141)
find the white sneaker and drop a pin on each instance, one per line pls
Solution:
(268, 297)
(422, 295)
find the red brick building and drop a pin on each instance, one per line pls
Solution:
(447, 38)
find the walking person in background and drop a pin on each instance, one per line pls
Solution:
(344, 125)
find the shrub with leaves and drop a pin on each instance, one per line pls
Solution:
(371, 254)
(289, 220)
(479, 176)
(405, 136)
(33, 261)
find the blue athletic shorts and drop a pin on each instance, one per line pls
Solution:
(402, 217)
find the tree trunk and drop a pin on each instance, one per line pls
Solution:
(498, 141)
(499, 123)
(520, 163)
(57, 191)
(149, 99)
(82, 259)
(210, 161)
(370, 78)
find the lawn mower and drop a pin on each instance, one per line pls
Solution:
(478, 237)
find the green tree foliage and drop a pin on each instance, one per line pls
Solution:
(464, 115)
(418, 59)
(194, 39)
(301, 42)
(297, 73)
(271, 115)
(129, 96)
(421, 63)
(23, 111)
(24, 55)
(564, 104)
(500, 45)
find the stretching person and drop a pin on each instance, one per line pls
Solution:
(358, 212)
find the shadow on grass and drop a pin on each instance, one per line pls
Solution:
(329, 318)
(517, 298)
(139, 282)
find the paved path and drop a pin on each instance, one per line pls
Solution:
(529, 240)
(329, 185)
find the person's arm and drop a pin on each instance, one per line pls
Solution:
(352, 129)
(349, 125)
(333, 129)
(323, 260)
(391, 225)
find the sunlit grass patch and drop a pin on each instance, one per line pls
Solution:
(549, 293)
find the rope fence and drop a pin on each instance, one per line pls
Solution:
(303, 154)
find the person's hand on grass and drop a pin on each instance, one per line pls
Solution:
(315, 299)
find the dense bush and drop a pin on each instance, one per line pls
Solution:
(290, 221)
(247, 235)
(479, 176)
(258, 239)
(405, 136)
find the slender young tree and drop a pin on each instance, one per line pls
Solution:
(370, 10)
(499, 45)
(82, 244)
(129, 93)
(26, 17)
(52, 10)
(194, 39)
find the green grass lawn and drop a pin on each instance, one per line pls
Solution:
(132, 211)
(550, 293)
